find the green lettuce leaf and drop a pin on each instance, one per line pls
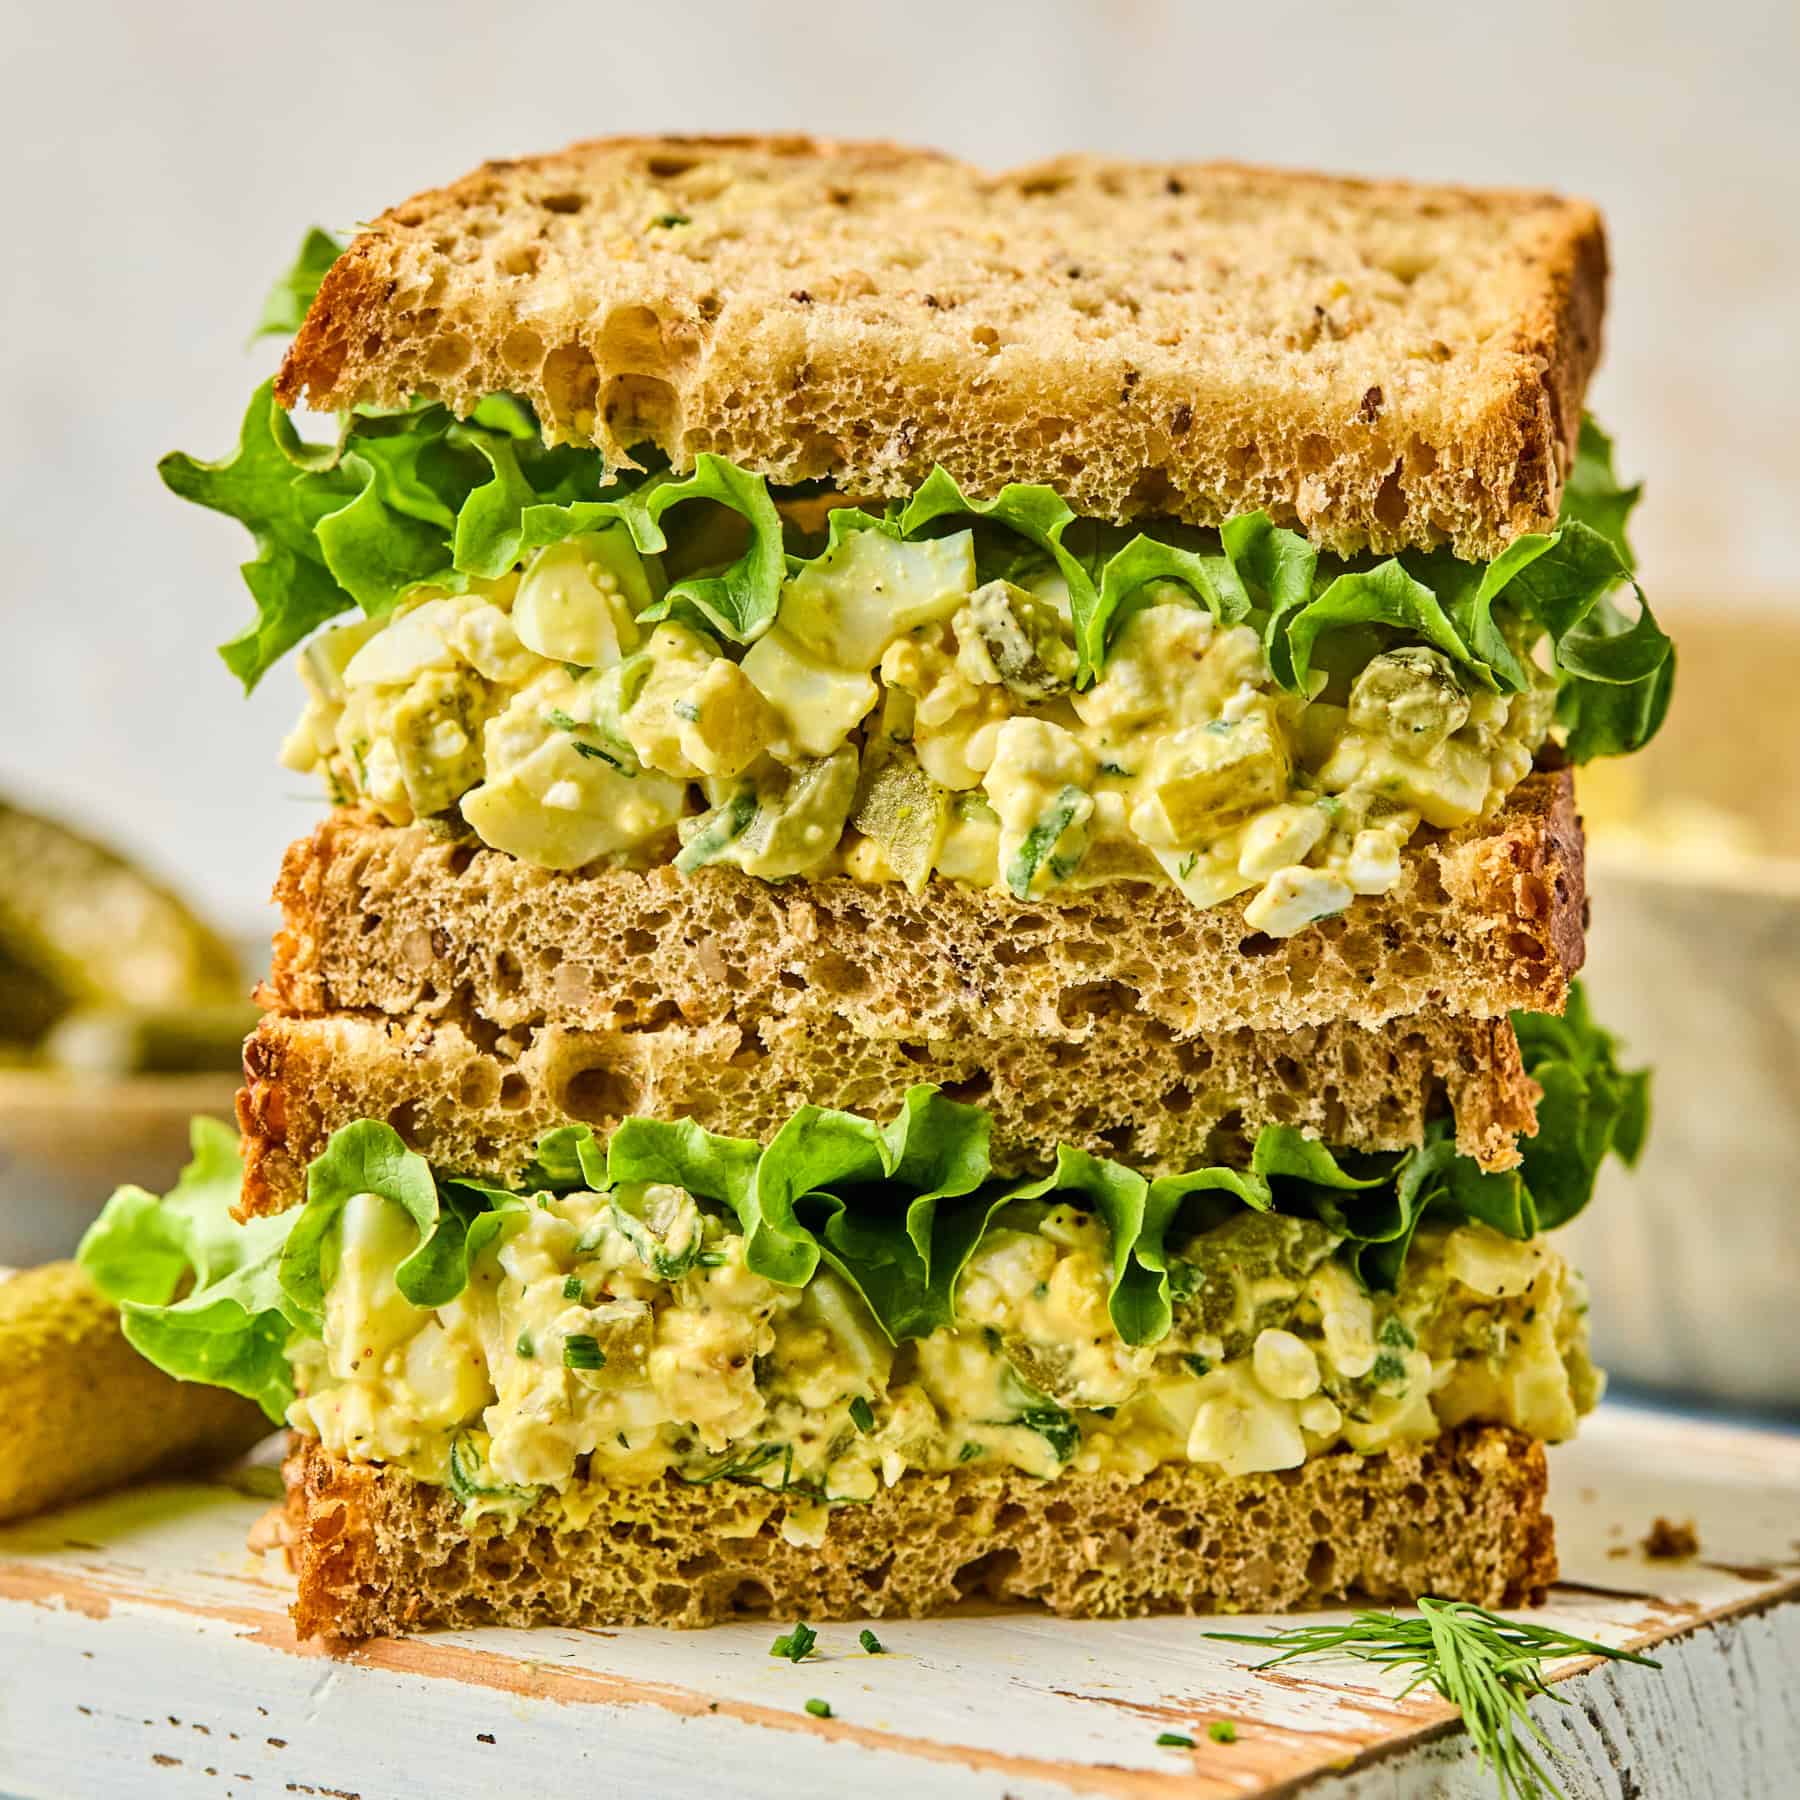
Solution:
(896, 1209)
(414, 498)
(411, 498)
(1616, 672)
(282, 505)
(681, 1153)
(864, 1198)
(369, 1157)
(231, 1326)
(1593, 497)
(285, 305)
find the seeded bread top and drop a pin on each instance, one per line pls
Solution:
(1380, 364)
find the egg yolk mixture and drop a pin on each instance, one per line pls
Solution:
(902, 719)
(617, 1337)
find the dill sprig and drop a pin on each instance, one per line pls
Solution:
(1489, 1668)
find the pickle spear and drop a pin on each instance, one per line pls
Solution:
(81, 1411)
(93, 930)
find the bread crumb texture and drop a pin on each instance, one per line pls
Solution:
(477, 1102)
(377, 919)
(1378, 363)
(1462, 1516)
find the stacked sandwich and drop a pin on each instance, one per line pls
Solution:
(942, 960)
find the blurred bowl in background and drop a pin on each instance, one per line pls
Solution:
(1693, 1258)
(66, 1141)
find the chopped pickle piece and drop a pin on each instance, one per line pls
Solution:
(713, 833)
(1411, 697)
(660, 1222)
(1009, 636)
(787, 826)
(903, 810)
(621, 1332)
(1206, 777)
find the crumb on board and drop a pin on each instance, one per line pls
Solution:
(1667, 1540)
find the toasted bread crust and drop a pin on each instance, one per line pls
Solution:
(477, 1104)
(1378, 363)
(1484, 920)
(1463, 1516)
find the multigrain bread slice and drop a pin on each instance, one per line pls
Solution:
(1484, 920)
(1462, 1516)
(476, 1102)
(1379, 363)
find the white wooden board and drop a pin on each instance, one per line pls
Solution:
(145, 1650)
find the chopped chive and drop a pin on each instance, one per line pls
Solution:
(861, 1415)
(581, 1351)
(1197, 1365)
(820, 1709)
(525, 1347)
(594, 753)
(1175, 1740)
(870, 1642)
(1222, 1731)
(668, 221)
(572, 1289)
(795, 1644)
(968, 1453)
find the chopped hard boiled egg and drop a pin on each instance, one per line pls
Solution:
(622, 1333)
(1181, 761)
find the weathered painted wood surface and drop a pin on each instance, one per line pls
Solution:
(145, 1650)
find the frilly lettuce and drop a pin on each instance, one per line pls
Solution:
(285, 306)
(199, 1295)
(896, 1209)
(414, 498)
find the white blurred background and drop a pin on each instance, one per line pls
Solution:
(165, 159)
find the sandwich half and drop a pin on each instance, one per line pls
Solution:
(944, 956)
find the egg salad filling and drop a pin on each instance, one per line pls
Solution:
(855, 1299)
(579, 664)
(902, 717)
(618, 1337)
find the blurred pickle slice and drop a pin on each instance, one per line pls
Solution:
(80, 926)
(83, 1410)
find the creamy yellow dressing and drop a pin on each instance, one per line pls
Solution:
(901, 718)
(618, 1337)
